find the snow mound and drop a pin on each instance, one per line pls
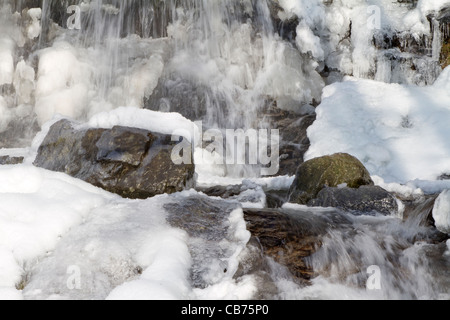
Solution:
(399, 132)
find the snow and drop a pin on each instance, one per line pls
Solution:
(167, 255)
(6, 115)
(399, 132)
(161, 122)
(441, 212)
(53, 226)
(38, 207)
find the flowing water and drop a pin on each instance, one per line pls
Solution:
(224, 62)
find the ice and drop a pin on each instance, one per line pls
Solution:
(159, 122)
(6, 60)
(37, 208)
(5, 113)
(307, 42)
(63, 83)
(34, 29)
(24, 83)
(343, 32)
(399, 132)
(441, 212)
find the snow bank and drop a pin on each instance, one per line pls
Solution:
(37, 207)
(441, 212)
(165, 123)
(399, 132)
(61, 238)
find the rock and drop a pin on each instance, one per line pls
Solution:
(131, 162)
(445, 54)
(175, 94)
(294, 141)
(286, 28)
(224, 192)
(364, 200)
(7, 160)
(328, 171)
(248, 194)
(290, 237)
(19, 133)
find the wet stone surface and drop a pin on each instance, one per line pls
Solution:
(131, 162)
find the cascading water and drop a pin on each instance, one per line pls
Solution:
(225, 63)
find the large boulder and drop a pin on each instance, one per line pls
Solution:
(364, 200)
(328, 171)
(131, 162)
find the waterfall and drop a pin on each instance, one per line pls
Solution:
(221, 62)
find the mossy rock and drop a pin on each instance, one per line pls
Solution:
(328, 171)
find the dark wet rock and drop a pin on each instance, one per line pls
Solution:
(276, 198)
(131, 162)
(248, 192)
(294, 141)
(18, 134)
(286, 28)
(328, 171)
(224, 192)
(181, 96)
(364, 200)
(445, 54)
(8, 160)
(291, 236)
(444, 176)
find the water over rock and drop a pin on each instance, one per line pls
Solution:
(291, 236)
(294, 141)
(131, 162)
